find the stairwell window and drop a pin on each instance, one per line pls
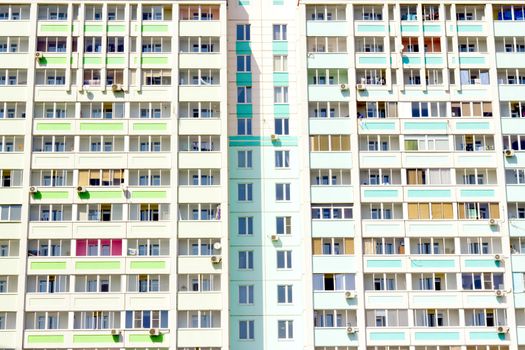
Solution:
(245, 225)
(280, 94)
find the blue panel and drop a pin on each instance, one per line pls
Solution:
(437, 336)
(387, 336)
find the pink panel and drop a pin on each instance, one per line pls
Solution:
(116, 247)
(81, 247)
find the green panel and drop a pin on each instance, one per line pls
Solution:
(243, 48)
(391, 263)
(372, 60)
(481, 263)
(144, 338)
(384, 126)
(97, 265)
(155, 60)
(51, 195)
(244, 2)
(148, 194)
(438, 126)
(370, 28)
(53, 126)
(278, 2)
(469, 28)
(380, 193)
(101, 126)
(387, 336)
(115, 60)
(52, 60)
(244, 79)
(280, 79)
(471, 60)
(280, 47)
(50, 265)
(58, 28)
(45, 339)
(433, 263)
(472, 125)
(93, 28)
(429, 193)
(150, 126)
(437, 336)
(431, 28)
(148, 264)
(409, 28)
(486, 336)
(244, 110)
(154, 28)
(116, 28)
(411, 60)
(96, 338)
(281, 109)
(92, 60)
(100, 195)
(433, 60)
(478, 193)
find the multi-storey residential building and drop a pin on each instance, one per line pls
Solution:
(278, 174)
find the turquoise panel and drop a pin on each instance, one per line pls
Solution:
(433, 60)
(326, 28)
(280, 47)
(280, 79)
(478, 193)
(278, 2)
(472, 125)
(244, 79)
(256, 141)
(431, 28)
(243, 48)
(370, 28)
(469, 28)
(391, 263)
(373, 126)
(409, 28)
(380, 193)
(411, 60)
(372, 60)
(334, 264)
(244, 110)
(437, 126)
(429, 193)
(432, 263)
(244, 2)
(437, 336)
(481, 263)
(472, 60)
(386, 336)
(487, 336)
(281, 109)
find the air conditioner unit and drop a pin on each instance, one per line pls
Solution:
(509, 153)
(117, 88)
(81, 189)
(154, 331)
(132, 251)
(38, 55)
(493, 222)
(33, 189)
(351, 330)
(498, 257)
(503, 329)
(215, 259)
(343, 87)
(116, 332)
(274, 137)
(274, 237)
(217, 245)
(360, 87)
(349, 295)
(499, 293)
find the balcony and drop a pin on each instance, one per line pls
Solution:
(196, 160)
(329, 125)
(8, 159)
(330, 160)
(343, 228)
(200, 28)
(199, 301)
(334, 299)
(327, 93)
(385, 299)
(200, 60)
(380, 159)
(144, 160)
(198, 264)
(201, 126)
(334, 264)
(199, 337)
(200, 194)
(337, 336)
(332, 194)
(387, 228)
(387, 193)
(326, 28)
(200, 229)
(195, 93)
(148, 301)
(328, 60)
(58, 160)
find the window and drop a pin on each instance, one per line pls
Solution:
(244, 63)
(426, 143)
(279, 32)
(245, 225)
(429, 109)
(246, 294)
(146, 319)
(332, 212)
(285, 329)
(482, 280)
(330, 143)
(243, 32)
(284, 259)
(283, 225)
(246, 260)
(280, 63)
(282, 159)
(10, 212)
(244, 159)
(247, 330)
(337, 281)
(282, 192)
(244, 94)
(430, 211)
(244, 126)
(428, 176)
(285, 294)
(280, 94)
(332, 246)
(244, 192)
(282, 126)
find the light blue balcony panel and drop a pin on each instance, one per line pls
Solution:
(425, 264)
(390, 263)
(326, 28)
(375, 28)
(387, 336)
(471, 60)
(429, 194)
(439, 336)
(481, 263)
(372, 60)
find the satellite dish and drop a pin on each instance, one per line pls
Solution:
(217, 245)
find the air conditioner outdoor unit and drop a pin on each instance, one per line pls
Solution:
(274, 237)
(274, 137)
(360, 87)
(38, 55)
(33, 189)
(116, 331)
(116, 88)
(503, 329)
(81, 189)
(498, 257)
(132, 251)
(509, 153)
(349, 295)
(343, 87)
(154, 331)
(351, 330)
(215, 259)
(499, 293)
(492, 221)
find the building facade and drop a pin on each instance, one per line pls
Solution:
(248, 174)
